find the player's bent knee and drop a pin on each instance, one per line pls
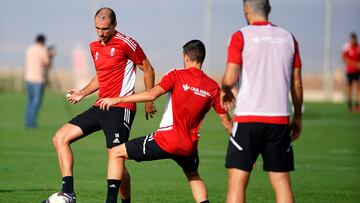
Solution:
(64, 136)
(118, 152)
(192, 175)
(58, 139)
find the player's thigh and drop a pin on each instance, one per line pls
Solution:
(278, 152)
(357, 82)
(237, 177)
(68, 133)
(244, 146)
(87, 122)
(116, 124)
(145, 149)
(189, 164)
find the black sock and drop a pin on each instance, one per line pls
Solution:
(126, 200)
(68, 184)
(206, 201)
(113, 190)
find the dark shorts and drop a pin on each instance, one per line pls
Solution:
(146, 149)
(272, 141)
(350, 77)
(116, 123)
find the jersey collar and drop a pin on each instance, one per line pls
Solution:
(261, 23)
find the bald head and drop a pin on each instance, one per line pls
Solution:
(106, 13)
(105, 23)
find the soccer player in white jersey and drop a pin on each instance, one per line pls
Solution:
(264, 60)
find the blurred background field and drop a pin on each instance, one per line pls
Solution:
(327, 158)
(327, 155)
(161, 27)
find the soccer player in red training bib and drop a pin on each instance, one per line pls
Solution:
(351, 57)
(116, 57)
(191, 94)
(264, 60)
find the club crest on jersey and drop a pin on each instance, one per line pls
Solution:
(96, 55)
(186, 87)
(112, 52)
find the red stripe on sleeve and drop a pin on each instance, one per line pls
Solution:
(235, 48)
(297, 60)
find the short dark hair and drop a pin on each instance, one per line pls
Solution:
(353, 35)
(112, 15)
(261, 7)
(195, 50)
(40, 38)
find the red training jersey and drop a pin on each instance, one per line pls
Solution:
(351, 52)
(115, 64)
(191, 94)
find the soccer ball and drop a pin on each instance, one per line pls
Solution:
(59, 197)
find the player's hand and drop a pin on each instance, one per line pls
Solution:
(295, 127)
(105, 103)
(227, 100)
(229, 127)
(74, 96)
(150, 109)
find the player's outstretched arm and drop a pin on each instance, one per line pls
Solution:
(226, 122)
(227, 98)
(149, 78)
(74, 95)
(297, 98)
(149, 95)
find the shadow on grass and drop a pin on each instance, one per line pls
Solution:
(27, 190)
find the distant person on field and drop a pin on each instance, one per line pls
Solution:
(38, 60)
(190, 95)
(265, 61)
(351, 57)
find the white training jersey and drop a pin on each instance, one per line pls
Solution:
(267, 54)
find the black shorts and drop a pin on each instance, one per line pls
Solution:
(272, 141)
(146, 149)
(350, 77)
(116, 123)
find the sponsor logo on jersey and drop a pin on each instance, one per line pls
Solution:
(196, 90)
(269, 39)
(186, 87)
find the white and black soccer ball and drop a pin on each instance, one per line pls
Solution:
(59, 197)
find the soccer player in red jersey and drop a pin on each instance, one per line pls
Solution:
(351, 57)
(264, 60)
(116, 57)
(191, 94)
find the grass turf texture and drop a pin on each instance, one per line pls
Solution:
(327, 158)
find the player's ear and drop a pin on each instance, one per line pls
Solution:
(246, 9)
(115, 24)
(185, 57)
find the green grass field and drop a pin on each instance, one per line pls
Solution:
(327, 157)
